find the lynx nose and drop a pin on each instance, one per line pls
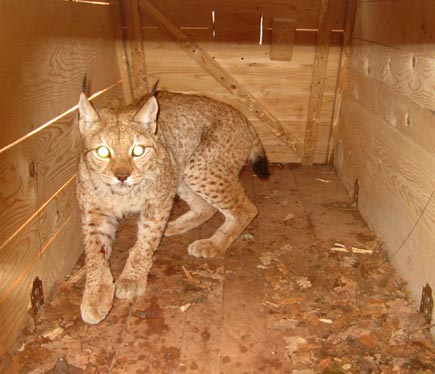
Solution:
(122, 174)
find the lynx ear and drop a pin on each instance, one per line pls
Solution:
(147, 115)
(88, 114)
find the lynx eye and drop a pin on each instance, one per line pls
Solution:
(138, 150)
(103, 152)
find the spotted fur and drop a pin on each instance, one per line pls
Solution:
(195, 149)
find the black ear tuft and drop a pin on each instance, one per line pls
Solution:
(261, 167)
(85, 83)
(154, 89)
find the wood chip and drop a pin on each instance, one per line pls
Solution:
(339, 249)
(289, 217)
(362, 251)
(184, 307)
(322, 180)
(325, 320)
(52, 333)
(186, 272)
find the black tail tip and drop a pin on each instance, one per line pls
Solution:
(261, 167)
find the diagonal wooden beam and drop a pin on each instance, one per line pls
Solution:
(197, 53)
(317, 84)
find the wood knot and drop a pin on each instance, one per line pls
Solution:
(32, 169)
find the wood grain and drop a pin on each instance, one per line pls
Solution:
(408, 73)
(396, 179)
(317, 83)
(407, 25)
(34, 170)
(46, 248)
(46, 60)
(403, 114)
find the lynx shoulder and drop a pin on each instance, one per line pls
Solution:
(136, 159)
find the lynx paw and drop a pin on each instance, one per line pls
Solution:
(203, 248)
(129, 288)
(97, 303)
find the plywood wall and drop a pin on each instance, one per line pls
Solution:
(386, 137)
(220, 55)
(47, 46)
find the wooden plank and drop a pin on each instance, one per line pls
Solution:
(396, 179)
(221, 75)
(32, 174)
(42, 75)
(135, 49)
(349, 24)
(237, 26)
(413, 121)
(317, 84)
(46, 248)
(189, 14)
(408, 73)
(283, 36)
(408, 25)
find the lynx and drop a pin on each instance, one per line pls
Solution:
(135, 160)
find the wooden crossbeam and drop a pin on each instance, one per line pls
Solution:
(202, 58)
(317, 84)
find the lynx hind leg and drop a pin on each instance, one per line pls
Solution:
(200, 212)
(230, 199)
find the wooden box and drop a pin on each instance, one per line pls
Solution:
(323, 81)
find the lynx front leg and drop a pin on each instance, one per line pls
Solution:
(99, 232)
(151, 225)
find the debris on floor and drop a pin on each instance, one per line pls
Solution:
(307, 289)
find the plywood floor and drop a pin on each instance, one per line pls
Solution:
(280, 301)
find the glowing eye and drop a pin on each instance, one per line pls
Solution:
(102, 152)
(138, 150)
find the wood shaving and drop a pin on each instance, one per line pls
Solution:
(362, 251)
(339, 249)
(186, 273)
(325, 320)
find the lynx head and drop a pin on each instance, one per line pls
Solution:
(119, 148)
